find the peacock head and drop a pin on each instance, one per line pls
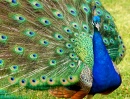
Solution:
(96, 19)
(96, 22)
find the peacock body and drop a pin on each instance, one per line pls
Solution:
(51, 44)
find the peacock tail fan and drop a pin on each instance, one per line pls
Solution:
(48, 43)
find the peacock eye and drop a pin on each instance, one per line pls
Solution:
(23, 81)
(3, 37)
(19, 50)
(31, 33)
(71, 78)
(72, 40)
(21, 18)
(76, 34)
(43, 77)
(72, 12)
(64, 80)
(38, 5)
(33, 56)
(51, 80)
(108, 16)
(52, 62)
(59, 36)
(59, 15)
(59, 51)
(97, 2)
(91, 36)
(67, 30)
(14, 1)
(1, 62)
(98, 12)
(43, 42)
(85, 27)
(123, 46)
(68, 45)
(72, 55)
(86, 9)
(12, 78)
(46, 21)
(14, 67)
(75, 25)
(119, 37)
(33, 80)
(72, 64)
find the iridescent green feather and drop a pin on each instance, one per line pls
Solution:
(48, 43)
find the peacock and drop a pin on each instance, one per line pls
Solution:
(68, 47)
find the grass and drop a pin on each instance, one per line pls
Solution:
(120, 10)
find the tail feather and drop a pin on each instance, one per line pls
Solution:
(48, 43)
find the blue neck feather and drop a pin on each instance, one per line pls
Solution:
(104, 75)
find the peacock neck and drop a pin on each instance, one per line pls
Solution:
(104, 75)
